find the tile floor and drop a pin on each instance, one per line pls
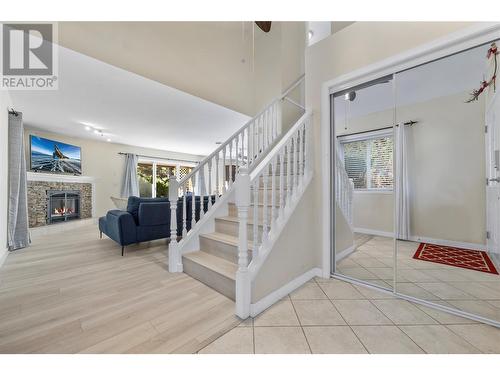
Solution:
(332, 316)
(468, 290)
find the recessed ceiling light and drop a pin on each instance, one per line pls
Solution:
(108, 140)
(87, 128)
(96, 131)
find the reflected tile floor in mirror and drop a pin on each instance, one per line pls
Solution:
(467, 290)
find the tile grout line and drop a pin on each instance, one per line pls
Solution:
(300, 323)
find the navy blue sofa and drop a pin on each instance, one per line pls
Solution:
(147, 219)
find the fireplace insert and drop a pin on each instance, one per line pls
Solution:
(62, 205)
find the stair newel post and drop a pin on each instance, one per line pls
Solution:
(174, 256)
(242, 275)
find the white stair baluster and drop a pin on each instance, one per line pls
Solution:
(224, 170)
(256, 218)
(265, 225)
(217, 182)
(184, 211)
(231, 163)
(295, 164)
(273, 193)
(281, 156)
(210, 190)
(193, 203)
(288, 171)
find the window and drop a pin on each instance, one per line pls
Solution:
(153, 177)
(368, 162)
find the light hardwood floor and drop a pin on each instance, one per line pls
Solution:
(71, 292)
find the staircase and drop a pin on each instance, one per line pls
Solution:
(253, 182)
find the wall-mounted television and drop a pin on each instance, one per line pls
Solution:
(47, 155)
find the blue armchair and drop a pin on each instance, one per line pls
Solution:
(147, 219)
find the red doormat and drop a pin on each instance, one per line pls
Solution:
(453, 256)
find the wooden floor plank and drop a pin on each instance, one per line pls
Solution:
(71, 292)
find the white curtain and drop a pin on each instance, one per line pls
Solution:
(402, 183)
(17, 223)
(130, 184)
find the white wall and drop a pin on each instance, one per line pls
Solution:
(5, 103)
(356, 46)
(101, 161)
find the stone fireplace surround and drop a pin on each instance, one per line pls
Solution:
(40, 183)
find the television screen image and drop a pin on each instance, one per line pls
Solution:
(52, 156)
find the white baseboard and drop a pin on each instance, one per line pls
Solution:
(344, 253)
(3, 256)
(462, 245)
(273, 297)
(373, 232)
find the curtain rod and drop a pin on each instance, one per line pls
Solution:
(158, 157)
(409, 123)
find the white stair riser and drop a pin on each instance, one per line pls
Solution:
(221, 249)
(233, 211)
(209, 277)
(232, 228)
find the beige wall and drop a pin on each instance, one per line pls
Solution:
(211, 60)
(293, 254)
(446, 171)
(101, 161)
(356, 46)
(5, 103)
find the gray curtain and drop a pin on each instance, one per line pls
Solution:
(130, 185)
(17, 223)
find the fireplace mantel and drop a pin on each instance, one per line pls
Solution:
(55, 177)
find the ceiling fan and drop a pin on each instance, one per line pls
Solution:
(264, 25)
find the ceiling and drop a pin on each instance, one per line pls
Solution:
(451, 75)
(128, 109)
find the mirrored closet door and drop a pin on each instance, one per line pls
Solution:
(363, 181)
(446, 186)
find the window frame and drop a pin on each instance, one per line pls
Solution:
(367, 136)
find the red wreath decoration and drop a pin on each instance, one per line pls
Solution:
(474, 95)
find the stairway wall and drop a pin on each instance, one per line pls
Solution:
(292, 254)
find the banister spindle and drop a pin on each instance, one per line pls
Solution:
(237, 156)
(217, 182)
(193, 202)
(295, 163)
(210, 190)
(281, 156)
(184, 210)
(273, 193)
(288, 172)
(231, 163)
(255, 227)
(203, 186)
(265, 226)
(224, 188)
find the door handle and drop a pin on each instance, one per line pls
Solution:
(494, 179)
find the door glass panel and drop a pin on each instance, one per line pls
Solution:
(145, 176)
(163, 173)
(363, 181)
(442, 161)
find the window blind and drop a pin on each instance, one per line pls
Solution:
(369, 162)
